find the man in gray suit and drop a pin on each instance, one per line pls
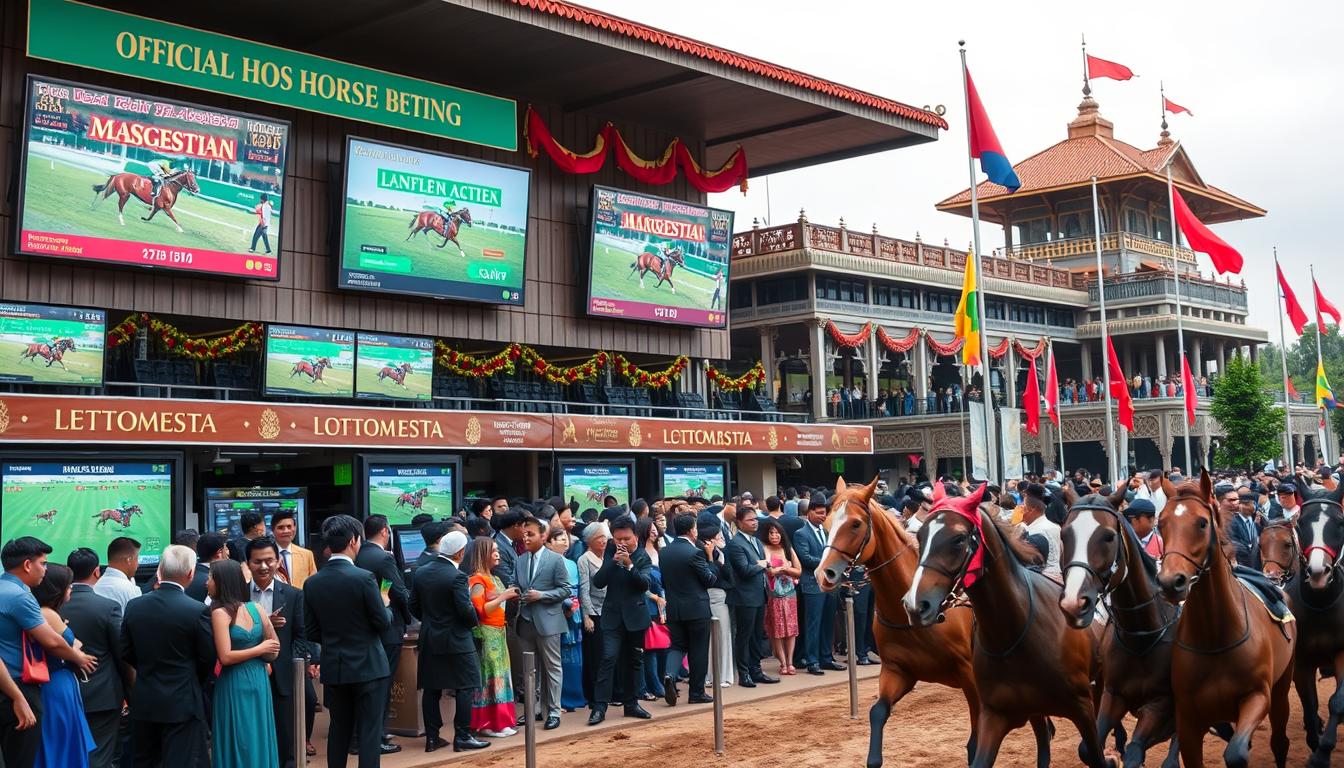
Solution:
(96, 621)
(543, 581)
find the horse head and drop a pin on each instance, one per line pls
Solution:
(949, 541)
(463, 215)
(322, 362)
(405, 367)
(1320, 530)
(1189, 526)
(675, 256)
(1093, 554)
(850, 523)
(1278, 551)
(188, 181)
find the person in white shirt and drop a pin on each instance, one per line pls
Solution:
(915, 511)
(1150, 488)
(1034, 521)
(118, 581)
(263, 211)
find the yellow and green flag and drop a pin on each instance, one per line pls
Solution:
(1325, 398)
(967, 321)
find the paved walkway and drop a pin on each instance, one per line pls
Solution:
(575, 724)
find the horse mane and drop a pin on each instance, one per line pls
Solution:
(1132, 536)
(876, 510)
(1021, 550)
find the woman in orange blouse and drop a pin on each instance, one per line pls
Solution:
(492, 710)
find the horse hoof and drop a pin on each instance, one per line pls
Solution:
(1319, 760)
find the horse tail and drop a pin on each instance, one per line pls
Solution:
(100, 187)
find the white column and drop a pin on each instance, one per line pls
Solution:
(921, 351)
(1160, 345)
(1197, 357)
(1085, 355)
(818, 356)
(1222, 356)
(768, 359)
(1011, 368)
(872, 367)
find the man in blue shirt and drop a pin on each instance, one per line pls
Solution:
(25, 563)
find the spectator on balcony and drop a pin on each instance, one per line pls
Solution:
(908, 406)
(1171, 386)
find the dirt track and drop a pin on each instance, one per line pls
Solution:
(813, 730)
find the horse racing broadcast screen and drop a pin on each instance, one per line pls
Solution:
(224, 507)
(88, 503)
(703, 479)
(51, 345)
(428, 224)
(309, 362)
(653, 258)
(589, 483)
(401, 490)
(123, 178)
(393, 367)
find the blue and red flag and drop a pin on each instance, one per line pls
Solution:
(985, 143)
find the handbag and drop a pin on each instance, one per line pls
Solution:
(657, 638)
(35, 670)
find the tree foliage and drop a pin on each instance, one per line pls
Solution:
(1251, 422)
(1302, 368)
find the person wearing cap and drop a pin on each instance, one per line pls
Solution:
(1034, 521)
(1244, 527)
(1143, 517)
(916, 510)
(1286, 504)
(1150, 487)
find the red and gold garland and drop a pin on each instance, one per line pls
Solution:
(849, 340)
(1000, 349)
(1031, 354)
(657, 379)
(898, 345)
(508, 360)
(746, 381)
(950, 348)
(733, 173)
(183, 344)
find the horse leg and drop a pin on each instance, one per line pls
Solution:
(892, 686)
(1278, 717)
(169, 212)
(1173, 754)
(641, 277)
(1090, 751)
(674, 285)
(1041, 727)
(1153, 725)
(989, 737)
(1190, 737)
(973, 710)
(1110, 710)
(1253, 710)
(460, 252)
(1304, 679)
(1321, 757)
(121, 208)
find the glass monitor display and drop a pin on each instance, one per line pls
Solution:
(704, 479)
(40, 344)
(399, 492)
(393, 367)
(589, 484)
(225, 506)
(412, 543)
(309, 362)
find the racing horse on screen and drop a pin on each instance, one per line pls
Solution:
(396, 373)
(121, 515)
(661, 265)
(312, 370)
(444, 226)
(126, 185)
(416, 500)
(52, 353)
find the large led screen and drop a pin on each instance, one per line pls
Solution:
(653, 258)
(51, 345)
(393, 367)
(703, 479)
(589, 484)
(312, 362)
(125, 178)
(429, 224)
(399, 492)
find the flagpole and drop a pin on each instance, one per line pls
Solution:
(1316, 305)
(1087, 78)
(1059, 416)
(1283, 360)
(986, 391)
(963, 422)
(1180, 323)
(1105, 339)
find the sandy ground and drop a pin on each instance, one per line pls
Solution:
(812, 729)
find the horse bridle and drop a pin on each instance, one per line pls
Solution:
(1106, 587)
(854, 559)
(1305, 554)
(1200, 568)
(1286, 569)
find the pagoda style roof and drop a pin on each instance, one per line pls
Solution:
(1091, 149)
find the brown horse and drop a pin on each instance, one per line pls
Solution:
(1029, 663)
(1232, 661)
(126, 185)
(119, 515)
(862, 533)
(445, 226)
(395, 373)
(660, 266)
(49, 515)
(1315, 591)
(312, 370)
(1102, 557)
(1278, 551)
(52, 353)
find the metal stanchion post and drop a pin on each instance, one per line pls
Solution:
(853, 658)
(715, 654)
(530, 707)
(300, 708)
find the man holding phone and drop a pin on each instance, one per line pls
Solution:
(281, 601)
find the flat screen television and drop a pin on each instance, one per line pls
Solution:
(225, 506)
(41, 344)
(704, 479)
(409, 542)
(85, 500)
(93, 158)
(589, 482)
(393, 367)
(429, 224)
(658, 259)
(309, 362)
(401, 487)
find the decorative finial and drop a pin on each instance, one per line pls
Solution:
(945, 242)
(874, 227)
(918, 239)
(802, 216)
(1087, 85)
(755, 223)
(842, 222)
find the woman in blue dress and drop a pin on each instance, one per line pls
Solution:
(242, 719)
(571, 643)
(66, 739)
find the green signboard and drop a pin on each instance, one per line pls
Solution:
(112, 41)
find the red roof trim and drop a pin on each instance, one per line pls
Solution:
(626, 28)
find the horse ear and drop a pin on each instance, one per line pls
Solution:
(1117, 496)
(870, 489)
(1168, 489)
(1206, 484)
(840, 485)
(1070, 495)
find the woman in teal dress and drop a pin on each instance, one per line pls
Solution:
(242, 720)
(571, 650)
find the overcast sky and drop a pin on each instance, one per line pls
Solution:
(1261, 78)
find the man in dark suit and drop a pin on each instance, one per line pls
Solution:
(1244, 527)
(209, 548)
(746, 600)
(166, 638)
(447, 660)
(96, 621)
(284, 605)
(374, 556)
(819, 607)
(433, 532)
(508, 535)
(253, 526)
(343, 611)
(689, 570)
(625, 575)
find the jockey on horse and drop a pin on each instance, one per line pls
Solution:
(157, 173)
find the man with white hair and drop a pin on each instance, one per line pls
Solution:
(166, 638)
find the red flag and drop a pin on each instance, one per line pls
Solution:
(1175, 108)
(1031, 401)
(1323, 305)
(1120, 387)
(1295, 314)
(1103, 68)
(1188, 384)
(1292, 391)
(1052, 391)
(1225, 258)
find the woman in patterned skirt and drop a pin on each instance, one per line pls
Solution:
(781, 593)
(492, 708)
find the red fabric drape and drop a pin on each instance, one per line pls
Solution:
(1031, 401)
(950, 348)
(898, 345)
(999, 350)
(537, 134)
(1034, 352)
(849, 340)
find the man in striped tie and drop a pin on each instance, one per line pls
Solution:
(296, 563)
